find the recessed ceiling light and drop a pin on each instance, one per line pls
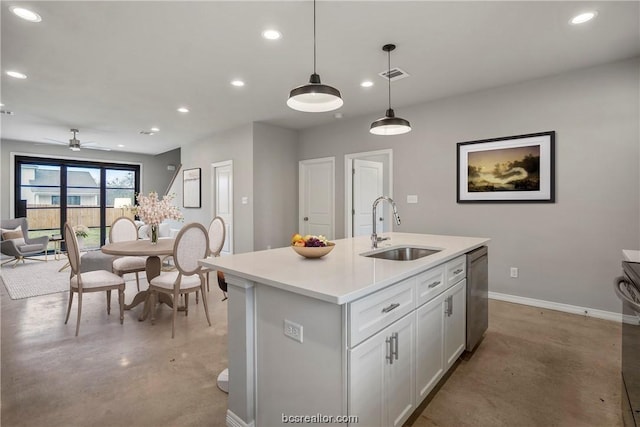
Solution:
(183, 109)
(154, 129)
(366, 83)
(583, 17)
(16, 75)
(120, 145)
(26, 14)
(237, 83)
(1, 104)
(271, 34)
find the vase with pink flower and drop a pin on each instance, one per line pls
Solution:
(153, 210)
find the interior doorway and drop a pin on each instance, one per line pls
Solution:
(367, 176)
(222, 200)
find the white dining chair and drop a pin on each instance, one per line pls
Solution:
(192, 244)
(217, 235)
(124, 229)
(91, 281)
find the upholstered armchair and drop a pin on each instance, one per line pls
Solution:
(16, 242)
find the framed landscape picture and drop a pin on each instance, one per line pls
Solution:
(509, 169)
(191, 188)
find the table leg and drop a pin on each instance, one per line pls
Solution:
(153, 268)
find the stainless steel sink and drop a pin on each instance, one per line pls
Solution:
(407, 253)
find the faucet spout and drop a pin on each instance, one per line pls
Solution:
(374, 236)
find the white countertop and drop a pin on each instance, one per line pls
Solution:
(343, 275)
(631, 256)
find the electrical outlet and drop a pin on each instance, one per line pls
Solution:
(293, 330)
(514, 272)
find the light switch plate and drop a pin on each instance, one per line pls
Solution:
(412, 198)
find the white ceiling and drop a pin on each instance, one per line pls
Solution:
(112, 69)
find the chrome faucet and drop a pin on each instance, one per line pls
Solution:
(374, 237)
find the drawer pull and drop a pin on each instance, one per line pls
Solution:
(434, 284)
(391, 307)
(458, 271)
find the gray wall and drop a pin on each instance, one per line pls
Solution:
(275, 180)
(155, 175)
(237, 145)
(568, 251)
(265, 170)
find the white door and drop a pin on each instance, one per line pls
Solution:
(316, 191)
(368, 185)
(222, 175)
(455, 319)
(429, 346)
(400, 389)
(367, 370)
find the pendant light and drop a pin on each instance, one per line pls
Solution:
(314, 97)
(389, 124)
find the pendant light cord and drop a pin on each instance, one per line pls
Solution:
(388, 75)
(314, 36)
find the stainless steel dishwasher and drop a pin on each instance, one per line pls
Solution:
(477, 296)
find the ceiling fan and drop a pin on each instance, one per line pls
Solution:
(74, 143)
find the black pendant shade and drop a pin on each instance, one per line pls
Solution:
(390, 124)
(314, 97)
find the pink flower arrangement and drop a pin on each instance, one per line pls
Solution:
(153, 210)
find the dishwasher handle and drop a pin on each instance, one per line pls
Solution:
(618, 283)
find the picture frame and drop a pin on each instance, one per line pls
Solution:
(512, 169)
(191, 188)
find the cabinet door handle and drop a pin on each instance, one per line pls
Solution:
(389, 350)
(458, 271)
(448, 310)
(434, 284)
(394, 350)
(391, 307)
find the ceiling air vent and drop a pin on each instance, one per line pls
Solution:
(7, 112)
(395, 73)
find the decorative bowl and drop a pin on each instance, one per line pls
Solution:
(314, 252)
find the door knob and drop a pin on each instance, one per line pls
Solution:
(306, 218)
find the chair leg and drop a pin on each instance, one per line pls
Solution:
(121, 301)
(197, 296)
(152, 306)
(138, 281)
(108, 302)
(175, 313)
(206, 304)
(69, 308)
(208, 290)
(79, 312)
(13, 260)
(186, 303)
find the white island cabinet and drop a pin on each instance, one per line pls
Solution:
(317, 340)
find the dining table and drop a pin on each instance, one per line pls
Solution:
(153, 266)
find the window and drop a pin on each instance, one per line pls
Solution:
(50, 192)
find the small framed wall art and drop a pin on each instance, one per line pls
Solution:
(509, 169)
(191, 188)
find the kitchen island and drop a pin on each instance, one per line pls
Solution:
(343, 335)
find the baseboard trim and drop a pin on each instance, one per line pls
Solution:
(567, 308)
(235, 421)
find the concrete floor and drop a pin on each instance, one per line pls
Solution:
(535, 367)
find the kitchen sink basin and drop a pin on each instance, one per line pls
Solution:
(407, 253)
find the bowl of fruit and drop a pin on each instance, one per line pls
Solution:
(311, 246)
